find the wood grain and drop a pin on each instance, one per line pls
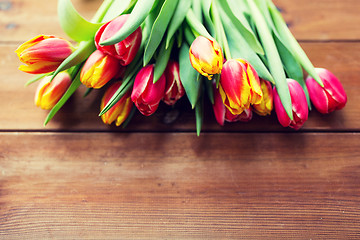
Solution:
(178, 186)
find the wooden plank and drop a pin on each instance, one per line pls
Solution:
(320, 20)
(178, 186)
(16, 101)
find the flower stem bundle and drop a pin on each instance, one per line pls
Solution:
(239, 53)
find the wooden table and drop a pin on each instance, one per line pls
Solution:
(79, 179)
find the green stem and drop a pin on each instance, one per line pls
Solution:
(219, 29)
(100, 13)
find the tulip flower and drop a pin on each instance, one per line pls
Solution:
(266, 104)
(174, 89)
(328, 98)
(99, 69)
(120, 111)
(206, 56)
(43, 54)
(222, 114)
(147, 95)
(299, 106)
(49, 93)
(125, 50)
(239, 86)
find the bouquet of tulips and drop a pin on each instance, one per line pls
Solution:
(238, 53)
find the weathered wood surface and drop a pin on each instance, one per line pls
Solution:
(178, 186)
(79, 179)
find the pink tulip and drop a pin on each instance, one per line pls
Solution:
(328, 98)
(299, 106)
(146, 95)
(174, 90)
(125, 50)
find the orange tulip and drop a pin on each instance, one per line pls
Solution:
(120, 111)
(43, 54)
(49, 93)
(239, 86)
(206, 56)
(266, 105)
(99, 69)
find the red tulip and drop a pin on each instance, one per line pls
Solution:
(299, 106)
(147, 95)
(174, 89)
(328, 98)
(125, 50)
(43, 54)
(120, 111)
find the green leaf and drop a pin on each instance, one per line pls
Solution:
(209, 90)
(179, 16)
(189, 76)
(273, 57)
(292, 67)
(116, 9)
(285, 34)
(127, 83)
(196, 8)
(240, 49)
(206, 6)
(159, 28)
(74, 85)
(137, 16)
(79, 55)
(73, 24)
(36, 78)
(162, 60)
(199, 114)
(236, 15)
(196, 25)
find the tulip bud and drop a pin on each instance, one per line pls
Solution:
(120, 111)
(266, 104)
(206, 56)
(49, 93)
(239, 86)
(43, 54)
(125, 50)
(99, 69)
(328, 98)
(222, 113)
(174, 89)
(147, 95)
(299, 106)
